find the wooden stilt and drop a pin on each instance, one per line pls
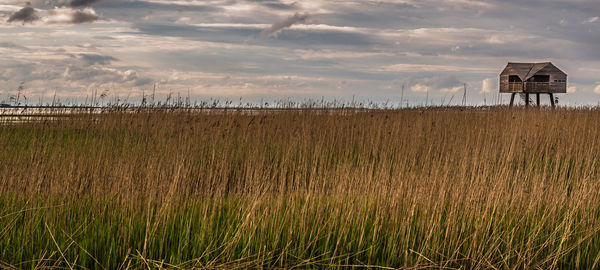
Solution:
(526, 99)
(512, 98)
(552, 99)
(537, 99)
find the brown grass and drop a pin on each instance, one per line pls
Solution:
(437, 188)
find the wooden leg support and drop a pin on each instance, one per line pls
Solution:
(512, 98)
(526, 99)
(537, 99)
(552, 99)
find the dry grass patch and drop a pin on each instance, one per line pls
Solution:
(438, 188)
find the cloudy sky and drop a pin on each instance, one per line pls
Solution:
(293, 49)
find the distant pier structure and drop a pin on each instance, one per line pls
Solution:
(533, 78)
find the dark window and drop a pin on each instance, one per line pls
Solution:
(514, 78)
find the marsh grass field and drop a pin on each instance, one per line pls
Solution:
(442, 188)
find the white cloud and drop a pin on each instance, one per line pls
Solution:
(419, 88)
(489, 85)
(184, 20)
(571, 89)
(597, 89)
(337, 54)
(437, 84)
(10, 8)
(65, 15)
(325, 27)
(452, 89)
(592, 19)
(498, 39)
(563, 21)
(471, 3)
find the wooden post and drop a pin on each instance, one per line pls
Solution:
(512, 99)
(537, 98)
(526, 99)
(552, 99)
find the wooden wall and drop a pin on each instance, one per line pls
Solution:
(555, 75)
(504, 83)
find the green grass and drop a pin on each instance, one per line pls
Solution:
(509, 189)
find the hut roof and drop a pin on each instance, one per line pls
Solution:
(526, 70)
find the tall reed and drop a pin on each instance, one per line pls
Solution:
(414, 188)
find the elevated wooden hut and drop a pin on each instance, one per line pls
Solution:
(532, 78)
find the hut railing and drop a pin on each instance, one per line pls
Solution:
(537, 87)
(528, 87)
(515, 87)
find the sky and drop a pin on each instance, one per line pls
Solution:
(258, 50)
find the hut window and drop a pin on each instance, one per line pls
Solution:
(514, 78)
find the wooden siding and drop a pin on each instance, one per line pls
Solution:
(504, 84)
(560, 88)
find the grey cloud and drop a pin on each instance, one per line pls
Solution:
(11, 45)
(98, 75)
(280, 6)
(278, 26)
(156, 12)
(72, 74)
(81, 3)
(82, 17)
(25, 15)
(96, 59)
(57, 15)
(444, 82)
(125, 7)
(326, 38)
(48, 4)
(19, 72)
(275, 4)
(71, 16)
(292, 38)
